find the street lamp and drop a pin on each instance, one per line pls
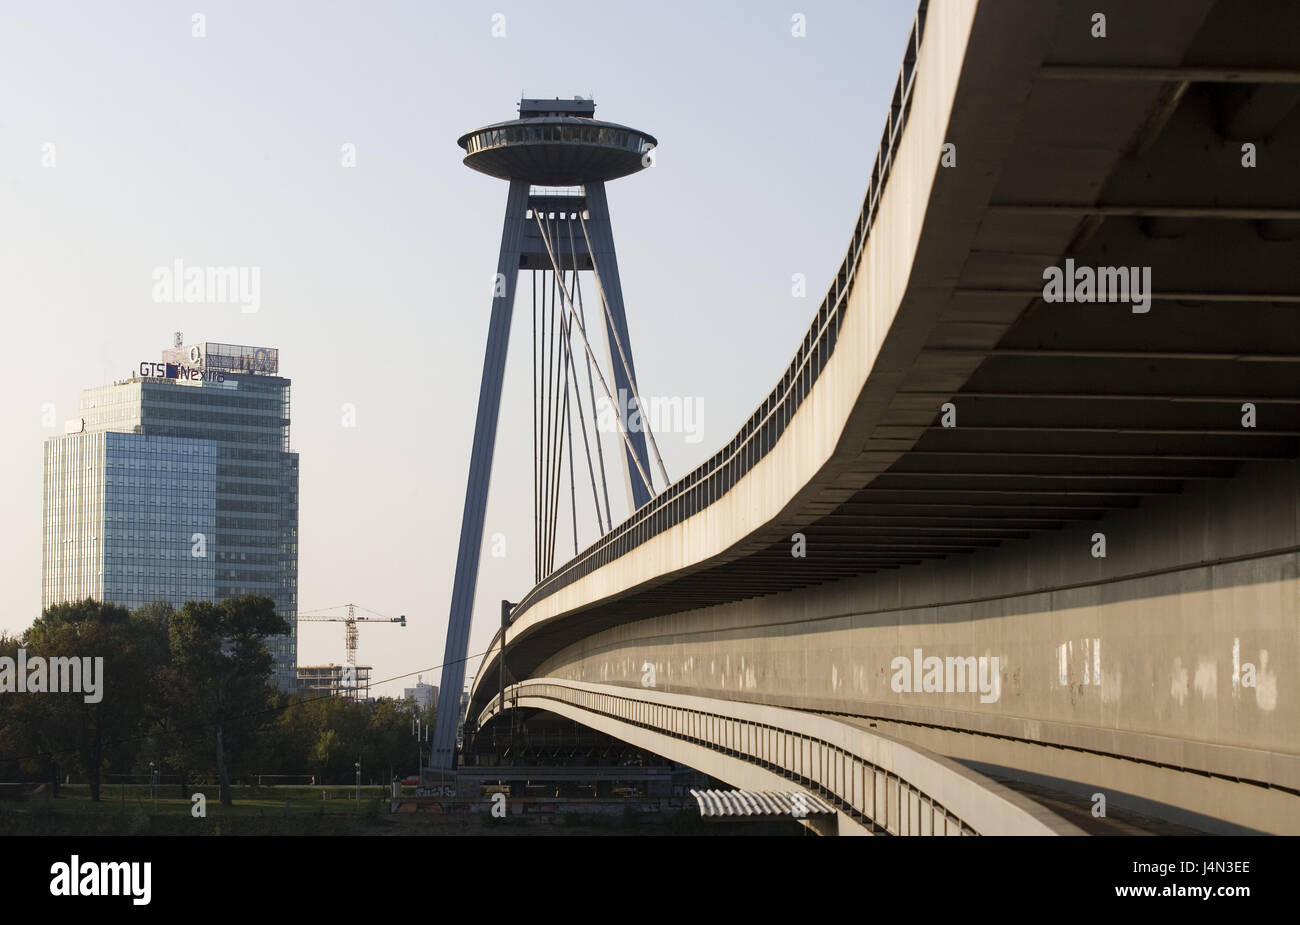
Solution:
(421, 732)
(358, 767)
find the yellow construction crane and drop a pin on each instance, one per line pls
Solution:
(350, 621)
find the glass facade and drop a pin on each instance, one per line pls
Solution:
(165, 470)
(159, 519)
(72, 519)
(609, 136)
(127, 519)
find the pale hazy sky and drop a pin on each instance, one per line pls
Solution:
(375, 280)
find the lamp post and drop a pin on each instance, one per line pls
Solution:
(358, 767)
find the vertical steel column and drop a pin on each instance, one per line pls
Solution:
(602, 244)
(443, 754)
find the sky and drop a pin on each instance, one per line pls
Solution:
(134, 135)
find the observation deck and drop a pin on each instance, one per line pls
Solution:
(556, 143)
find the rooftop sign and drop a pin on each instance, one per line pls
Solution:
(150, 370)
(229, 358)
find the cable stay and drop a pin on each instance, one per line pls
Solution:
(627, 367)
(558, 403)
(645, 478)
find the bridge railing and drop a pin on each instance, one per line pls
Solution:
(887, 786)
(711, 480)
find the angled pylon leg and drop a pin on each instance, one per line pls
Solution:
(476, 490)
(602, 246)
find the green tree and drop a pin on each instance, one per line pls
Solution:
(390, 745)
(106, 733)
(323, 736)
(285, 743)
(327, 755)
(26, 747)
(219, 673)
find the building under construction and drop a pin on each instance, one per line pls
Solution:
(350, 681)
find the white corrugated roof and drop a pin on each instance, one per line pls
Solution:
(796, 803)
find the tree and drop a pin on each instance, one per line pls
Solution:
(219, 673)
(104, 733)
(323, 736)
(26, 746)
(328, 755)
(389, 743)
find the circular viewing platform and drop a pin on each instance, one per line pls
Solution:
(556, 150)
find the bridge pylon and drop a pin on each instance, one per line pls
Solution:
(557, 159)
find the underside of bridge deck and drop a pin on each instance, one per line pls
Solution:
(1125, 152)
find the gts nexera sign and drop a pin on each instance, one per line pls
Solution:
(150, 370)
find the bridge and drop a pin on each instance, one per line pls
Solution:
(1008, 549)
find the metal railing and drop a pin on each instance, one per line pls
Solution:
(712, 479)
(874, 796)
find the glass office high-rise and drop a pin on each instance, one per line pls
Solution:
(178, 484)
(127, 518)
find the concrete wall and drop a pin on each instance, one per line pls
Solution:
(1140, 654)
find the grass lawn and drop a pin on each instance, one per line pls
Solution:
(330, 810)
(128, 809)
